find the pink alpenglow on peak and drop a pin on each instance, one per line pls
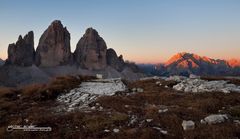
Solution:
(234, 62)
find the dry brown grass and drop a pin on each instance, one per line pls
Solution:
(59, 85)
(182, 106)
(36, 104)
(33, 102)
(6, 92)
(221, 131)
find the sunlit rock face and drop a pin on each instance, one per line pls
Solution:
(188, 60)
(187, 63)
(91, 51)
(54, 46)
(234, 63)
(22, 52)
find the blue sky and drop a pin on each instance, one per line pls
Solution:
(148, 31)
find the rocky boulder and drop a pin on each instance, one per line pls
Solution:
(215, 119)
(54, 46)
(91, 51)
(22, 52)
(188, 125)
(114, 61)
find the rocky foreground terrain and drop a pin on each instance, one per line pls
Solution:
(153, 107)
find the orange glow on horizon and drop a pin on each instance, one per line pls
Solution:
(148, 59)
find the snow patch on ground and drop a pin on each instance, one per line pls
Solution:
(90, 91)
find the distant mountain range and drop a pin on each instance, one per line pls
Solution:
(188, 63)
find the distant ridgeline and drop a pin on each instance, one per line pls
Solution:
(53, 57)
(187, 63)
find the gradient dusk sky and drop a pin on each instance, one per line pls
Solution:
(144, 31)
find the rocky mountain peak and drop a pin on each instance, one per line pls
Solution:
(177, 57)
(20, 38)
(91, 51)
(182, 54)
(54, 46)
(56, 23)
(91, 32)
(194, 59)
(22, 52)
(188, 63)
(29, 38)
(91, 37)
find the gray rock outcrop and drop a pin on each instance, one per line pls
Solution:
(114, 61)
(89, 91)
(196, 85)
(91, 51)
(22, 52)
(54, 46)
(188, 125)
(215, 119)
